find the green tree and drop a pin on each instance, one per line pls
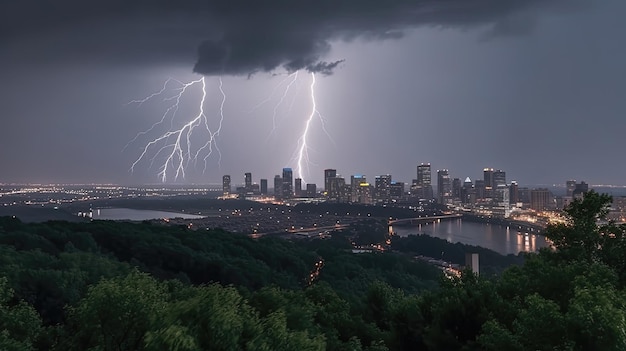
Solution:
(20, 324)
(117, 313)
(581, 237)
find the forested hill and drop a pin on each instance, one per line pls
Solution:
(122, 286)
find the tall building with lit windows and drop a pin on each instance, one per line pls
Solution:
(541, 199)
(355, 183)
(328, 175)
(337, 190)
(287, 183)
(499, 178)
(422, 186)
(489, 183)
(513, 192)
(248, 181)
(570, 186)
(278, 187)
(226, 188)
(263, 186)
(382, 188)
(444, 186)
(298, 187)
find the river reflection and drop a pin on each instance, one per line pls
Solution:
(138, 215)
(491, 236)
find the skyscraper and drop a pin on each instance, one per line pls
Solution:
(540, 199)
(328, 174)
(444, 186)
(311, 190)
(489, 183)
(424, 174)
(423, 186)
(278, 187)
(383, 188)
(468, 192)
(336, 190)
(248, 181)
(479, 186)
(364, 193)
(298, 187)
(396, 190)
(355, 182)
(263, 186)
(226, 189)
(456, 188)
(499, 178)
(287, 183)
(513, 192)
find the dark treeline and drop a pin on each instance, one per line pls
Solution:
(122, 286)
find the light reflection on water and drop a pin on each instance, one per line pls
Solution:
(138, 215)
(492, 236)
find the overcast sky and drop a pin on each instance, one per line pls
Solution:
(536, 88)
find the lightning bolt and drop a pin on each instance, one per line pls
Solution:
(176, 144)
(282, 98)
(291, 79)
(303, 147)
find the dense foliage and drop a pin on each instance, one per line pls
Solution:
(122, 286)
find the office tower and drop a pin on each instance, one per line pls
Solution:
(263, 186)
(443, 186)
(513, 192)
(540, 199)
(248, 181)
(499, 178)
(468, 192)
(570, 186)
(287, 183)
(424, 187)
(328, 174)
(523, 194)
(396, 191)
(336, 191)
(355, 181)
(479, 186)
(502, 204)
(456, 189)
(364, 193)
(226, 189)
(424, 174)
(489, 183)
(298, 187)
(311, 190)
(278, 187)
(382, 186)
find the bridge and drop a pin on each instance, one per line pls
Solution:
(423, 219)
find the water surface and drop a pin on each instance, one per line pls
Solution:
(138, 215)
(491, 236)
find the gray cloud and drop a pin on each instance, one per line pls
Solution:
(249, 36)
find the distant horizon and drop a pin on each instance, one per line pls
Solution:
(173, 185)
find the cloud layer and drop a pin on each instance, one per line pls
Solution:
(249, 36)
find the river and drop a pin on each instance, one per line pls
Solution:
(491, 236)
(137, 215)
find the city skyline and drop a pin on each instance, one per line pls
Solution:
(489, 177)
(521, 86)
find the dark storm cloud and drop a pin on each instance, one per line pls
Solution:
(249, 36)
